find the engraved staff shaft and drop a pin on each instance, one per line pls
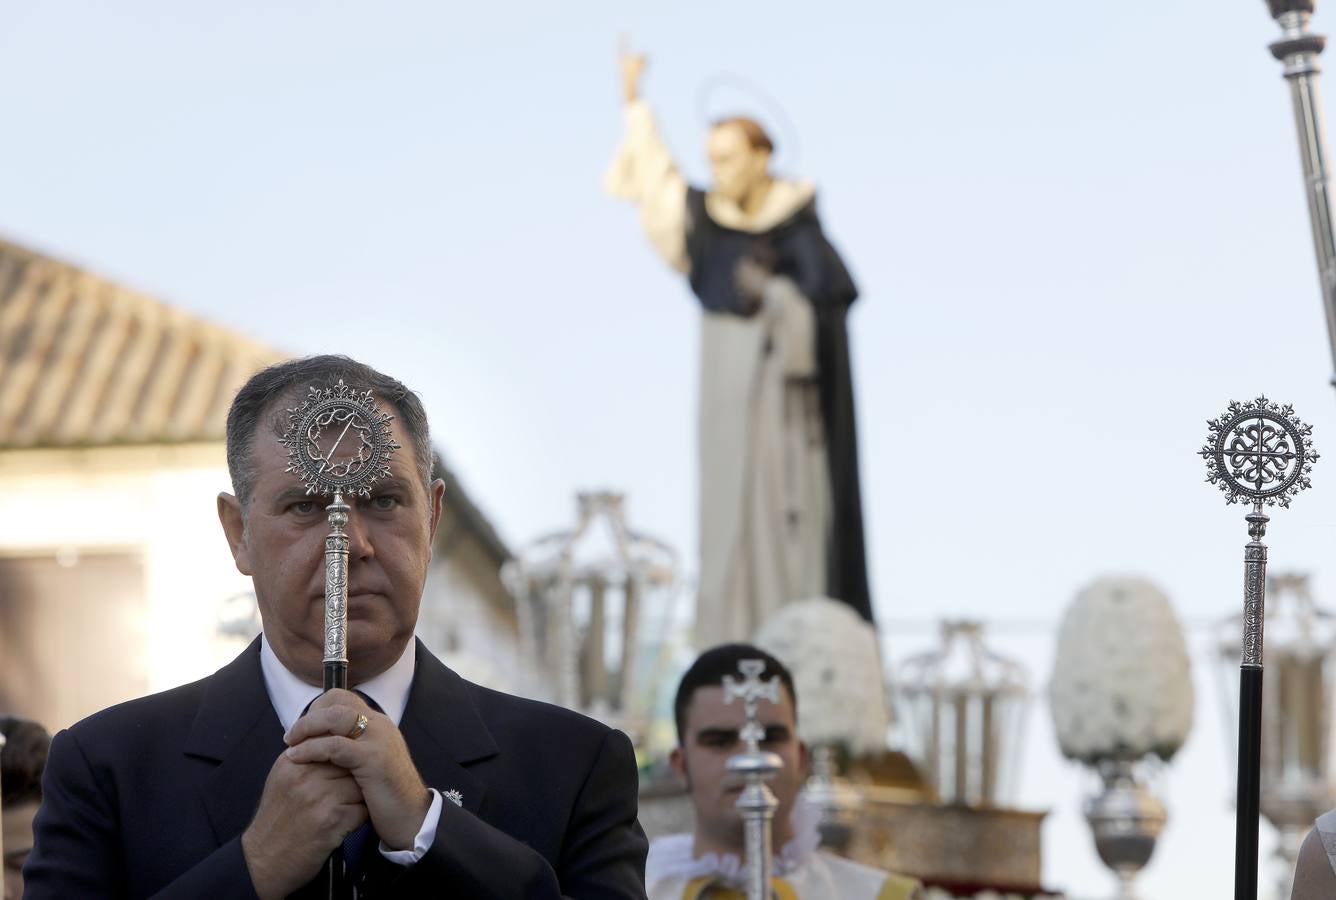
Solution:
(336, 595)
(757, 802)
(1258, 452)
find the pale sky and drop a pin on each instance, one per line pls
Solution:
(1079, 231)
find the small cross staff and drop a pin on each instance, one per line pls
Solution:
(756, 802)
(1257, 452)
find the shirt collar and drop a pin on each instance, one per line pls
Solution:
(290, 695)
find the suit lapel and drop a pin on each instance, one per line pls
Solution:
(236, 727)
(444, 732)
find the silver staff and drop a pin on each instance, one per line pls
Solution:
(756, 802)
(1298, 49)
(338, 443)
(1258, 452)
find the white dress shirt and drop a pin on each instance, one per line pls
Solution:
(290, 696)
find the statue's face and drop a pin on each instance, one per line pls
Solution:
(737, 166)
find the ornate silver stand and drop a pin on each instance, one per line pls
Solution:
(757, 802)
(1126, 819)
(1298, 50)
(838, 801)
(1261, 452)
(338, 443)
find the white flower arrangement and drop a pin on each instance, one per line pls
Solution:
(836, 665)
(1122, 682)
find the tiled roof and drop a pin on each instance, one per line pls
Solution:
(86, 362)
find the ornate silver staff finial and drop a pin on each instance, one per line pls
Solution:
(752, 690)
(319, 429)
(338, 443)
(1261, 452)
(757, 802)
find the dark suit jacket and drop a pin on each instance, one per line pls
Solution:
(149, 798)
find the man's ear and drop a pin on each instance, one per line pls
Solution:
(678, 760)
(434, 495)
(803, 760)
(234, 527)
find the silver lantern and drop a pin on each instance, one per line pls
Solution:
(590, 599)
(963, 709)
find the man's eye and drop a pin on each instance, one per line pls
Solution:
(385, 502)
(717, 740)
(303, 507)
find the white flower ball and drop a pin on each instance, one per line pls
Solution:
(836, 665)
(1122, 682)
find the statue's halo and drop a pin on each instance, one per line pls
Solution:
(727, 94)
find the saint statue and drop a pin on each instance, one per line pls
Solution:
(780, 514)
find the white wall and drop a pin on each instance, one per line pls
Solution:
(154, 502)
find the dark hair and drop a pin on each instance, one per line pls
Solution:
(756, 135)
(22, 760)
(270, 390)
(709, 670)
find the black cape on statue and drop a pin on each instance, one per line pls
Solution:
(804, 255)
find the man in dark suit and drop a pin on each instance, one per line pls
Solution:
(243, 784)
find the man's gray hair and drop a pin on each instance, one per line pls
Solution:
(269, 393)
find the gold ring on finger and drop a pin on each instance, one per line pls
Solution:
(360, 728)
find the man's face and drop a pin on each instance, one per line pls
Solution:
(711, 737)
(281, 546)
(736, 165)
(16, 822)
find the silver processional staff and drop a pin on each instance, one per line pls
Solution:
(338, 443)
(1258, 452)
(756, 802)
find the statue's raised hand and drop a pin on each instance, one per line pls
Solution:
(632, 66)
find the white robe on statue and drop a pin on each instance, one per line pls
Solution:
(764, 485)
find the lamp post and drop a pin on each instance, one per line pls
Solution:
(1298, 50)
